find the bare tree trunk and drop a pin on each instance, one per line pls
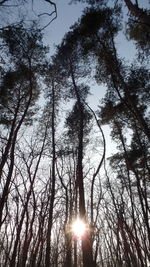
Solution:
(86, 241)
(11, 167)
(53, 182)
(28, 238)
(25, 208)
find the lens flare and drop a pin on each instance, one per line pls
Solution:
(78, 228)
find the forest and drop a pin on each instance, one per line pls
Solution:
(64, 200)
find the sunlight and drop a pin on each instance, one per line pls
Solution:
(78, 228)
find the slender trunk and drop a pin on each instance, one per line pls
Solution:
(86, 241)
(25, 209)
(68, 220)
(75, 241)
(9, 142)
(28, 239)
(135, 239)
(11, 167)
(52, 198)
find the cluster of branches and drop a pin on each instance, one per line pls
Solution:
(26, 10)
(52, 173)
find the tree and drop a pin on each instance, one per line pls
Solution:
(50, 171)
(19, 85)
(53, 170)
(78, 119)
(98, 41)
(128, 163)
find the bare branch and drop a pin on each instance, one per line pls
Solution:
(50, 14)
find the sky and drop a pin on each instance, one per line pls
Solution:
(67, 15)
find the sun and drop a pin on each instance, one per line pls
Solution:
(78, 228)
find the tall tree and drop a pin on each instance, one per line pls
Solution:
(53, 92)
(69, 57)
(96, 32)
(19, 91)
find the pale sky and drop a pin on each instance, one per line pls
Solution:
(53, 34)
(67, 16)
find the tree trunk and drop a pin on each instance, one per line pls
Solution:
(86, 241)
(52, 198)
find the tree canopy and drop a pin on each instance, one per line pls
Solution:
(69, 196)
